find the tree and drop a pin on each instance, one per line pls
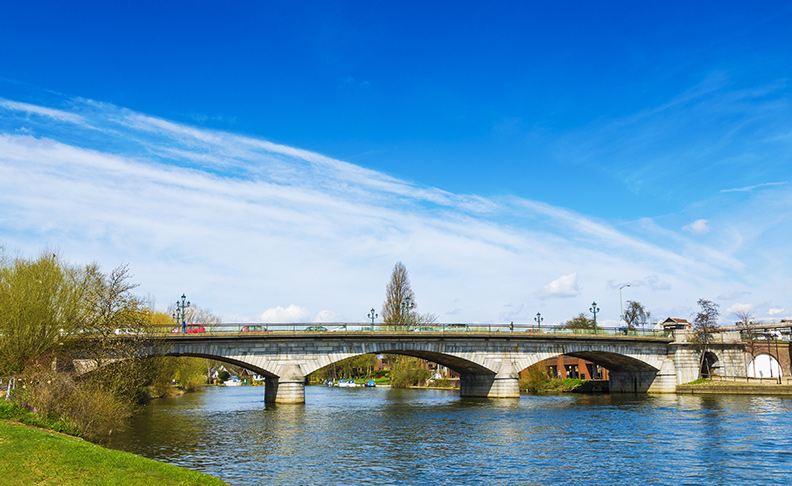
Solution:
(580, 322)
(398, 294)
(635, 314)
(112, 311)
(41, 308)
(409, 371)
(705, 324)
(196, 315)
(746, 329)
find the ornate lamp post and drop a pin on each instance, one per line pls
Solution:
(179, 315)
(539, 319)
(594, 309)
(621, 306)
(373, 315)
(407, 306)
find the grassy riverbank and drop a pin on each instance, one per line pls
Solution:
(716, 387)
(33, 456)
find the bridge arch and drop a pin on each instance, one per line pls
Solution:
(454, 362)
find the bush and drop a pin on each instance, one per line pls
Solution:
(534, 380)
(94, 411)
(29, 415)
(442, 383)
(408, 371)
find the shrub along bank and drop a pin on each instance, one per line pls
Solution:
(535, 380)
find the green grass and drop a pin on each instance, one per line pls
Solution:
(700, 381)
(35, 457)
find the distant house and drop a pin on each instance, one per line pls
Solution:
(674, 323)
(247, 375)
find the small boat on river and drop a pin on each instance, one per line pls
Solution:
(233, 381)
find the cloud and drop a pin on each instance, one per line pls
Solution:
(776, 311)
(227, 219)
(740, 309)
(698, 227)
(656, 283)
(566, 286)
(54, 114)
(756, 186)
(734, 295)
(292, 313)
(328, 316)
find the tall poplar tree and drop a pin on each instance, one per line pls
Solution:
(397, 293)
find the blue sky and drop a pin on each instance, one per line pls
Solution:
(518, 158)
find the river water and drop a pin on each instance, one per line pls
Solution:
(344, 436)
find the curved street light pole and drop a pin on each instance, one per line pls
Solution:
(621, 306)
(594, 309)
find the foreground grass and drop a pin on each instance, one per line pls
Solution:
(35, 457)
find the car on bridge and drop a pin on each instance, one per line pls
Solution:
(189, 329)
(316, 328)
(255, 328)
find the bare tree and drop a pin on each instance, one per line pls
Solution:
(746, 329)
(635, 314)
(705, 324)
(112, 310)
(197, 315)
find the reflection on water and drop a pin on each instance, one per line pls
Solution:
(384, 436)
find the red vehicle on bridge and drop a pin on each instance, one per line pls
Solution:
(189, 329)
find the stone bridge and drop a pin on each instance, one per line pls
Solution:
(488, 363)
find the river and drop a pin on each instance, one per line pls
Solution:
(382, 436)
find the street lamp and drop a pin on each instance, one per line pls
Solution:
(373, 315)
(539, 319)
(179, 315)
(621, 306)
(594, 309)
(407, 306)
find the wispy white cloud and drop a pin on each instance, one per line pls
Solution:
(257, 230)
(289, 314)
(756, 186)
(54, 114)
(739, 308)
(699, 227)
(734, 295)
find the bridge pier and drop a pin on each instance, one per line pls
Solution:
(504, 384)
(627, 380)
(287, 388)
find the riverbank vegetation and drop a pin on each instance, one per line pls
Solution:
(31, 456)
(534, 380)
(71, 340)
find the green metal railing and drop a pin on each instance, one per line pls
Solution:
(435, 328)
